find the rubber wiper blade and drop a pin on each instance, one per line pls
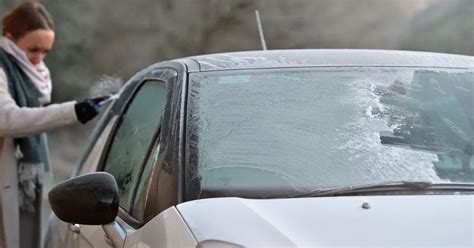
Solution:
(382, 186)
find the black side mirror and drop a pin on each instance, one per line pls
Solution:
(91, 199)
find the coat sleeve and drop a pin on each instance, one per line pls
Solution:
(22, 121)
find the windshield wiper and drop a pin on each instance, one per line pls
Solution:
(389, 186)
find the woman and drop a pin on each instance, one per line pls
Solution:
(25, 87)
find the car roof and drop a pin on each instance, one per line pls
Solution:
(324, 58)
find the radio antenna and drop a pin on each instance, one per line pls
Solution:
(260, 30)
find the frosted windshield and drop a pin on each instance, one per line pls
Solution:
(299, 130)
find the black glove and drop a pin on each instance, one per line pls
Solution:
(88, 109)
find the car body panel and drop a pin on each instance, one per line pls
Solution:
(61, 234)
(391, 221)
(167, 229)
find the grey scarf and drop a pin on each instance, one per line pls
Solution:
(31, 151)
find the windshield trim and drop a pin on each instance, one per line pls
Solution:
(348, 66)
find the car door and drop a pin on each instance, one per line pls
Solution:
(128, 148)
(133, 142)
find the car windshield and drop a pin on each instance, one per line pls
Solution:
(274, 133)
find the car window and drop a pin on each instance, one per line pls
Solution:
(92, 159)
(275, 133)
(137, 127)
(144, 185)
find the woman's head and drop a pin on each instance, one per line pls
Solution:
(31, 27)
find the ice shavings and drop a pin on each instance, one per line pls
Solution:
(363, 148)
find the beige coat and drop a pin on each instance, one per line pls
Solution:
(18, 122)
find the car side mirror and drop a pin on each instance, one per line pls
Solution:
(91, 199)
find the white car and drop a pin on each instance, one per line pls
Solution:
(283, 148)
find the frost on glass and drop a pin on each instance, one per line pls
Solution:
(133, 137)
(293, 131)
(143, 188)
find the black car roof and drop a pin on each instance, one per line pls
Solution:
(324, 58)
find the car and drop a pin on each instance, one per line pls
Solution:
(279, 148)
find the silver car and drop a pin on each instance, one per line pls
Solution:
(284, 148)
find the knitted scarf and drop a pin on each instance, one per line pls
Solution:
(31, 151)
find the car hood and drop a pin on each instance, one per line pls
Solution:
(362, 221)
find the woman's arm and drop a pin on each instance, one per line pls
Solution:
(22, 121)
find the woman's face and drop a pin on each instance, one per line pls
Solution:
(36, 44)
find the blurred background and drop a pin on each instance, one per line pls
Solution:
(100, 44)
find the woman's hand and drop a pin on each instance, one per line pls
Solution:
(86, 110)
